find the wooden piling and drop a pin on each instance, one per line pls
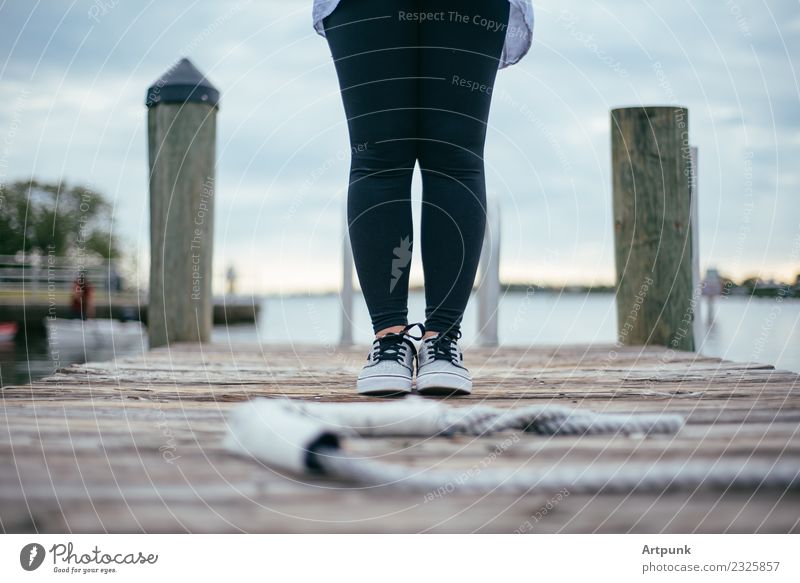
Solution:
(697, 279)
(489, 282)
(651, 166)
(182, 108)
(347, 293)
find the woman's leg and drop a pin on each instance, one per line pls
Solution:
(458, 65)
(375, 54)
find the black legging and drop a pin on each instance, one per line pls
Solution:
(416, 78)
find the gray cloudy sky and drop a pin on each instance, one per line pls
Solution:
(73, 77)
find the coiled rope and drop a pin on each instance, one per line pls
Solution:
(303, 437)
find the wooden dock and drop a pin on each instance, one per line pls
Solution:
(136, 445)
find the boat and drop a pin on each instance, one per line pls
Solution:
(95, 335)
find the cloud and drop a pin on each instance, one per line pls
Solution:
(84, 67)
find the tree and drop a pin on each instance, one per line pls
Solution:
(67, 220)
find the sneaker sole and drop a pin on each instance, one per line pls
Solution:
(383, 386)
(443, 384)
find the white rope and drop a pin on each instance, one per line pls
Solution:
(586, 479)
(553, 420)
(415, 416)
(303, 436)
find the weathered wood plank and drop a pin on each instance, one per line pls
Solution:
(136, 445)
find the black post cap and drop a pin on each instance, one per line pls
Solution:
(182, 83)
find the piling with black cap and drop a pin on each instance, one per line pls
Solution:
(182, 110)
(652, 177)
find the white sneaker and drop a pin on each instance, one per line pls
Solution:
(390, 365)
(440, 367)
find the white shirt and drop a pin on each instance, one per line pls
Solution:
(519, 33)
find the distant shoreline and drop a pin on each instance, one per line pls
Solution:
(764, 293)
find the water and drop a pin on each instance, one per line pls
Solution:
(22, 362)
(744, 329)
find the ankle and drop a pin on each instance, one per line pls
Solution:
(429, 334)
(390, 330)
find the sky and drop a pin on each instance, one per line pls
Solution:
(73, 77)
